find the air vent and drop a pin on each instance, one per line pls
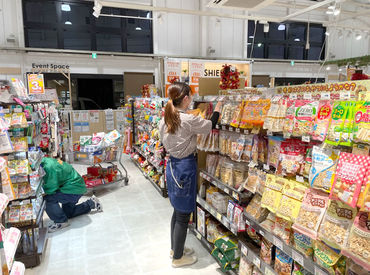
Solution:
(240, 4)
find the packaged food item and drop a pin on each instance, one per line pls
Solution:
(349, 177)
(305, 113)
(355, 269)
(336, 124)
(306, 167)
(346, 138)
(220, 202)
(261, 182)
(289, 118)
(220, 163)
(269, 223)
(311, 213)
(328, 258)
(245, 267)
(209, 194)
(237, 115)
(364, 200)
(227, 112)
(223, 142)
(201, 221)
(230, 210)
(303, 244)
(291, 200)
(19, 120)
(215, 230)
(239, 174)
(276, 115)
(85, 140)
(322, 172)
(227, 173)
(299, 270)
(247, 152)
(266, 252)
(211, 163)
(362, 122)
(254, 158)
(274, 146)
(252, 181)
(257, 112)
(335, 227)
(273, 192)
(283, 229)
(14, 213)
(252, 233)
(283, 263)
(322, 120)
(97, 139)
(361, 149)
(256, 271)
(223, 260)
(238, 218)
(20, 144)
(292, 153)
(262, 150)
(358, 245)
(255, 210)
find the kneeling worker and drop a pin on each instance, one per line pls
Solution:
(62, 184)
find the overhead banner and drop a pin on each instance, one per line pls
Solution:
(35, 84)
(196, 70)
(172, 68)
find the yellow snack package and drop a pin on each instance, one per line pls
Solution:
(273, 192)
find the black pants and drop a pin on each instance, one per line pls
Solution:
(179, 227)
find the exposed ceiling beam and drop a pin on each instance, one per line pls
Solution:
(356, 15)
(300, 6)
(308, 9)
(363, 5)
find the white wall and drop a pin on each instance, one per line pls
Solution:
(11, 23)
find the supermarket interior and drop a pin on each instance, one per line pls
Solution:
(185, 137)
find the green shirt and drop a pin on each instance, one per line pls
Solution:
(62, 177)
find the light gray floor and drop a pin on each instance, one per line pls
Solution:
(131, 236)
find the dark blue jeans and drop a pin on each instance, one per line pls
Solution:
(69, 208)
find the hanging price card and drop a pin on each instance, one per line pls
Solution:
(198, 235)
(297, 257)
(257, 261)
(262, 233)
(278, 243)
(345, 95)
(219, 217)
(325, 96)
(266, 167)
(246, 132)
(299, 179)
(247, 222)
(306, 138)
(244, 250)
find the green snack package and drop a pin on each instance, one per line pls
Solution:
(346, 137)
(337, 119)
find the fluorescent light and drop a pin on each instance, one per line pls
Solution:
(251, 36)
(297, 39)
(148, 15)
(328, 68)
(266, 27)
(259, 44)
(249, 44)
(329, 12)
(68, 23)
(331, 7)
(96, 13)
(66, 7)
(340, 70)
(138, 29)
(336, 12)
(358, 36)
(327, 33)
(281, 27)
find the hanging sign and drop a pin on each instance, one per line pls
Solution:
(35, 84)
(196, 70)
(172, 69)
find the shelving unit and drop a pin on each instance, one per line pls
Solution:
(160, 169)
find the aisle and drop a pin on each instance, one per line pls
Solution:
(131, 236)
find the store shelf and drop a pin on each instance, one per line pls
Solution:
(162, 191)
(207, 245)
(34, 223)
(18, 268)
(224, 187)
(221, 218)
(233, 129)
(38, 189)
(42, 241)
(308, 264)
(159, 168)
(252, 255)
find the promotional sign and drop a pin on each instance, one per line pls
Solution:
(172, 68)
(35, 84)
(196, 70)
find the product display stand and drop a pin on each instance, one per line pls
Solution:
(148, 152)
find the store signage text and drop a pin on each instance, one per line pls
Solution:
(50, 66)
(208, 72)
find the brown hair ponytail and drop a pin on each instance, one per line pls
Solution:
(176, 93)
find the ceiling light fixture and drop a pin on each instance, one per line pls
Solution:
(328, 68)
(138, 28)
(68, 23)
(281, 27)
(336, 12)
(65, 7)
(259, 44)
(329, 12)
(358, 36)
(327, 33)
(297, 39)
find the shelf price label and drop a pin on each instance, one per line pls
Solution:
(226, 190)
(299, 179)
(247, 222)
(307, 96)
(257, 261)
(266, 167)
(278, 243)
(237, 130)
(219, 217)
(268, 271)
(206, 206)
(293, 96)
(244, 250)
(345, 95)
(306, 138)
(325, 95)
(223, 127)
(199, 236)
(235, 195)
(297, 257)
(262, 233)
(234, 229)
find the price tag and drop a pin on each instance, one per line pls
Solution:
(268, 271)
(234, 229)
(345, 95)
(198, 200)
(252, 164)
(269, 133)
(235, 195)
(223, 127)
(293, 96)
(257, 261)
(306, 138)
(206, 207)
(278, 243)
(244, 250)
(325, 96)
(214, 213)
(226, 190)
(266, 167)
(299, 179)
(199, 236)
(18, 110)
(231, 129)
(246, 131)
(307, 96)
(298, 258)
(237, 130)
(287, 135)
(247, 223)
(219, 217)
(215, 182)
(262, 233)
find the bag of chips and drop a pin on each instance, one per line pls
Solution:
(305, 113)
(303, 244)
(338, 116)
(289, 118)
(322, 120)
(273, 192)
(283, 263)
(362, 122)
(274, 147)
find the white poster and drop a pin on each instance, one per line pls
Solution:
(109, 119)
(172, 70)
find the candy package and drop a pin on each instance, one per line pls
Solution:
(273, 192)
(274, 146)
(289, 118)
(255, 210)
(283, 229)
(329, 259)
(283, 263)
(358, 245)
(303, 244)
(349, 177)
(266, 252)
(322, 120)
(322, 172)
(292, 154)
(362, 122)
(311, 213)
(335, 227)
(305, 113)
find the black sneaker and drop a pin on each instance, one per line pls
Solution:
(56, 226)
(98, 205)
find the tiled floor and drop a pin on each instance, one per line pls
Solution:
(131, 236)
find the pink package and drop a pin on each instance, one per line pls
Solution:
(305, 113)
(322, 119)
(349, 177)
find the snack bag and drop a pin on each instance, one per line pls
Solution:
(305, 113)
(247, 152)
(361, 149)
(328, 258)
(306, 167)
(237, 115)
(289, 118)
(350, 174)
(273, 192)
(311, 213)
(358, 245)
(269, 223)
(347, 132)
(299, 270)
(283, 229)
(274, 147)
(292, 153)
(230, 210)
(252, 181)
(322, 172)
(335, 227)
(337, 119)
(362, 122)
(283, 263)
(255, 210)
(245, 267)
(239, 174)
(266, 253)
(291, 200)
(322, 120)
(364, 201)
(354, 269)
(303, 244)
(276, 115)
(227, 113)
(247, 115)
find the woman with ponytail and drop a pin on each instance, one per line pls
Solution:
(179, 132)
